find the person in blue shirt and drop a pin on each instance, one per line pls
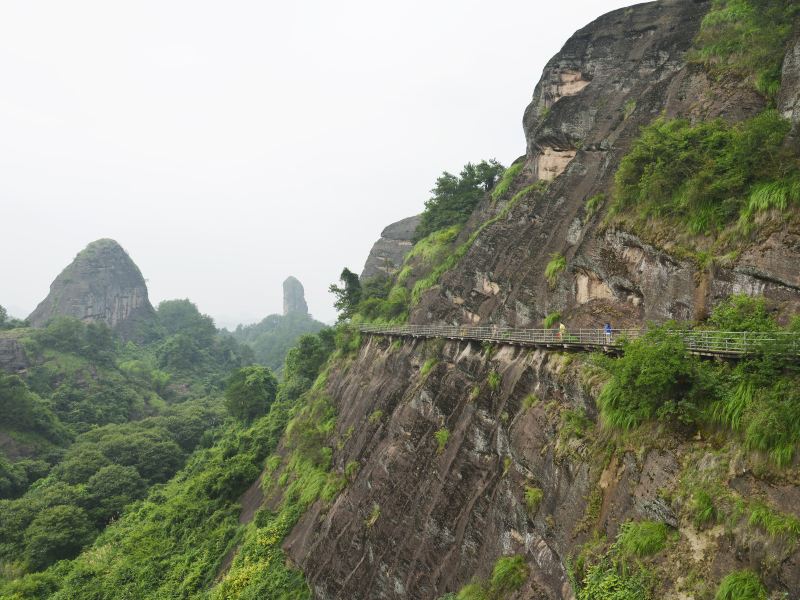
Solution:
(607, 331)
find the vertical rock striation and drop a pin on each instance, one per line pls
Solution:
(294, 299)
(102, 285)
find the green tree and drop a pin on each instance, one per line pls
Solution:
(56, 533)
(348, 296)
(250, 392)
(182, 316)
(456, 196)
(111, 489)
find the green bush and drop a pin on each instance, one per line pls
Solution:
(506, 180)
(656, 378)
(604, 582)
(493, 380)
(533, 498)
(706, 175)
(428, 367)
(554, 268)
(593, 205)
(442, 437)
(703, 509)
(640, 539)
(746, 39)
(741, 585)
(551, 319)
(740, 312)
(509, 574)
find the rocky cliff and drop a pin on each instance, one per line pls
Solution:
(294, 297)
(387, 254)
(102, 284)
(428, 512)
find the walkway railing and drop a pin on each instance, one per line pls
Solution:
(717, 343)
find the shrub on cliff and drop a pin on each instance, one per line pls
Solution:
(456, 196)
(656, 378)
(706, 175)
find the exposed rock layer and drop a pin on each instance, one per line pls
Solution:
(101, 285)
(388, 253)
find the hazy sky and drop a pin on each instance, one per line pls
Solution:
(227, 145)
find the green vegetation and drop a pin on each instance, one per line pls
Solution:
(374, 515)
(603, 581)
(554, 268)
(506, 180)
(530, 401)
(274, 336)
(348, 295)
(432, 278)
(493, 380)
(741, 585)
(455, 197)
(774, 523)
(746, 39)
(757, 397)
(7, 322)
(593, 206)
(428, 367)
(628, 109)
(168, 541)
(640, 539)
(703, 509)
(442, 437)
(551, 319)
(655, 379)
(533, 498)
(508, 575)
(250, 391)
(704, 176)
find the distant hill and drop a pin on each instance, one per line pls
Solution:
(272, 337)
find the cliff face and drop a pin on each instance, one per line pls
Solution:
(422, 518)
(610, 79)
(101, 285)
(387, 254)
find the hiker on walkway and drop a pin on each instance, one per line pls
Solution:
(607, 330)
(562, 330)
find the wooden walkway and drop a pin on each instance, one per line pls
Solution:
(726, 344)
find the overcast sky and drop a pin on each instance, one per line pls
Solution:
(227, 145)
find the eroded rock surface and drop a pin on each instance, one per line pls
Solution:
(12, 355)
(294, 297)
(387, 254)
(101, 285)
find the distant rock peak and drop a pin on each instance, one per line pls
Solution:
(102, 284)
(294, 297)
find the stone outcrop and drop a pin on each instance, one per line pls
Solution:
(12, 355)
(388, 253)
(294, 298)
(101, 285)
